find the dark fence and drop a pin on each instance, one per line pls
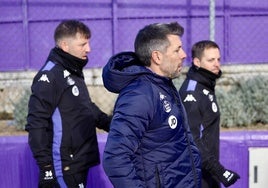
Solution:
(27, 26)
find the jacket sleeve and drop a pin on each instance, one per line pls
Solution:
(131, 116)
(40, 108)
(102, 119)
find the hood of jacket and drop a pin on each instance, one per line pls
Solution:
(121, 70)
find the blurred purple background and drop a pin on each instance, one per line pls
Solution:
(27, 26)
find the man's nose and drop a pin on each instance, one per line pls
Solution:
(183, 54)
(217, 63)
(88, 48)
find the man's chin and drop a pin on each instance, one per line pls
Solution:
(216, 72)
(178, 73)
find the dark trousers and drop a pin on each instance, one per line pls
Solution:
(208, 181)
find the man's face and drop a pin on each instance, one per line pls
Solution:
(210, 60)
(172, 59)
(77, 46)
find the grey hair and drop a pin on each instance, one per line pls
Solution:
(154, 37)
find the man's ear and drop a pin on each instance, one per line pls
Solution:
(196, 62)
(156, 57)
(63, 44)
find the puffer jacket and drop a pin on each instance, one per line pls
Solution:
(149, 143)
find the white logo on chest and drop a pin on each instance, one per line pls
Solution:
(166, 104)
(44, 78)
(189, 98)
(172, 121)
(75, 91)
(214, 107)
(70, 81)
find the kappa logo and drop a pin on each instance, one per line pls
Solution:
(44, 78)
(189, 98)
(66, 73)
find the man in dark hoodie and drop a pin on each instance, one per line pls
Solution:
(198, 96)
(149, 143)
(62, 119)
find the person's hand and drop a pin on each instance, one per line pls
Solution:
(227, 177)
(47, 177)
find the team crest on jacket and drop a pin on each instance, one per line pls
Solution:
(75, 91)
(70, 81)
(210, 97)
(206, 92)
(172, 121)
(166, 104)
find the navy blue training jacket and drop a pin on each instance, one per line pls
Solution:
(149, 143)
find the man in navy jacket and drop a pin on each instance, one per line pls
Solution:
(149, 143)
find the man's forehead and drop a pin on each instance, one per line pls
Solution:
(211, 53)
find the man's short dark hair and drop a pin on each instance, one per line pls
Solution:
(199, 47)
(154, 37)
(69, 28)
